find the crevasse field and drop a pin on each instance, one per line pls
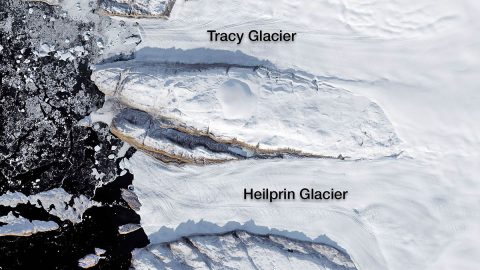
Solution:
(413, 205)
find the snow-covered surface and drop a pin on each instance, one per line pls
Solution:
(50, 2)
(350, 39)
(104, 115)
(399, 213)
(20, 226)
(141, 8)
(58, 198)
(240, 250)
(417, 60)
(261, 107)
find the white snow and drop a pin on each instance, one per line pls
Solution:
(417, 60)
(399, 213)
(398, 54)
(240, 250)
(20, 226)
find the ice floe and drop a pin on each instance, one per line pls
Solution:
(20, 226)
(56, 202)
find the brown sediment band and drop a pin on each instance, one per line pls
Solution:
(163, 155)
(226, 146)
(176, 125)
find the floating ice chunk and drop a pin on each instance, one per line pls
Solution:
(89, 261)
(131, 199)
(19, 226)
(44, 50)
(58, 198)
(128, 228)
(79, 51)
(65, 55)
(100, 251)
(11, 199)
(97, 175)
